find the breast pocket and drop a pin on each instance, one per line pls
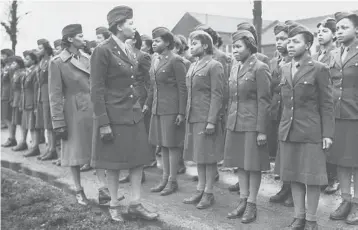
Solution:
(82, 101)
(305, 89)
(247, 85)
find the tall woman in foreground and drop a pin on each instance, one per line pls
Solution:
(204, 132)
(344, 71)
(306, 127)
(246, 140)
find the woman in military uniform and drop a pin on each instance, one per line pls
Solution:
(306, 92)
(167, 97)
(281, 33)
(248, 113)
(344, 72)
(71, 108)
(327, 42)
(204, 137)
(29, 102)
(57, 45)
(102, 33)
(18, 73)
(119, 138)
(6, 94)
(147, 44)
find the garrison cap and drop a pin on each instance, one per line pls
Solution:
(42, 41)
(341, 15)
(293, 30)
(241, 34)
(71, 30)
(329, 23)
(101, 30)
(280, 27)
(160, 31)
(119, 13)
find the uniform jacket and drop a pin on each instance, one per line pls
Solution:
(29, 88)
(326, 57)
(112, 85)
(275, 66)
(69, 89)
(205, 81)
(345, 82)
(225, 61)
(168, 92)
(250, 96)
(141, 74)
(307, 103)
(42, 79)
(16, 85)
(5, 84)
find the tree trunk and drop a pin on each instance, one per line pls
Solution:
(257, 12)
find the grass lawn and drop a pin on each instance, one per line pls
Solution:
(29, 203)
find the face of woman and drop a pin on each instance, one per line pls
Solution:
(78, 41)
(28, 61)
(281, 42)
(128, 28)
(41, 50)
(197, 49)
(324, 35)
(240, 51)
(100, 38)
(346, 31)
(159, 45)
(297, 46)
(14, 66)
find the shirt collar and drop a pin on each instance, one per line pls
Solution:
(121, 44)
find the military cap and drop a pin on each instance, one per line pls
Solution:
(203, 27)
(248, 26)
(26, 52)
(42, 41)
(17, 59)
(101, 30)
(160, 31)
(329, 23)
(57, 42)
(145, 37)
(280, 27)
(341, 15)
(8, 52)
(195, 33)
(119, 13)
(241, 34)
(293, 30)
(71, 30)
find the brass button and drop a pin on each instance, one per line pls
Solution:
(131, 96)
(131, 86)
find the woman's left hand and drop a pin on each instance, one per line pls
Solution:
(179, 120)
(326, 143)
(210, 129)
(261, 139)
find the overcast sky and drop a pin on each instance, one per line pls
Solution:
(47, 18)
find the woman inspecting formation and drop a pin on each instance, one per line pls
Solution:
(136, 91)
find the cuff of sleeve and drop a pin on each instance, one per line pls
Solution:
(212, 121)
(58, 124)
(261, 130)
(102, 120)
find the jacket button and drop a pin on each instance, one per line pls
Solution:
(341, 88)
(132, 77)
(131, 86)
(291, 98)
(292, 108)
(131, 96)
(291, 118)
(339, 98)
(340, 71)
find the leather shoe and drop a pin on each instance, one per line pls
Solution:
(235, 187)
(138, 211)
(311, 225)
(282, 195)
(33, 152)
(289, 201)
(125, 179)
(332, 187)
(42, 155)
(249, 214)
(352, 218)
(81, 198)
(206, 201)
(20, 147)
(104, 197)
(116, 214)
(297, 224)
(342, 211)
(239, 211)
(170, 188)
(85, 168)
(160, 186)
(51, 155)
(195, 198)
(9, 143)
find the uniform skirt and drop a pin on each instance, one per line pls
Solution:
(303, 162)
(202, 148)
(129, 149)
(16, 116)
(344, 151)
(47, 121)
(164, 132)
(28, 119)
(241, 150)
(39, 123)
(6, 110)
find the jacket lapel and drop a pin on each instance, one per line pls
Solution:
(164, 59)
(306, 67)
(65, 55)
(245, 67)
(327, 55)
(117, 51)
(336, 57)
(200, 65)
(352, 52)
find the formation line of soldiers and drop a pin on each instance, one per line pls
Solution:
(138, 92)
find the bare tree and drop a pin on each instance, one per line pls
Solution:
(11, 26)
(257, 12)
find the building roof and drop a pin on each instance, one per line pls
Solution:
(219, 23)
(268, 37)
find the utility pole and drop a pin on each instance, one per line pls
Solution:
(257, 13)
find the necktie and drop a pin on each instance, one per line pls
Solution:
(321, 55)
(156, 63)
(344, 54)
(295, 67)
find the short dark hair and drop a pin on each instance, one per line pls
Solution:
(48, 48)
(213, 34)
(178, 44)
(204, 40)
(138, 40)
(219, 42)
(65, 43)
(308, 37)
(249, 44)
(149, 44)
(114, 29)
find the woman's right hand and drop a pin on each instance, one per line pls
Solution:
(145, 109)
(106, 133)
